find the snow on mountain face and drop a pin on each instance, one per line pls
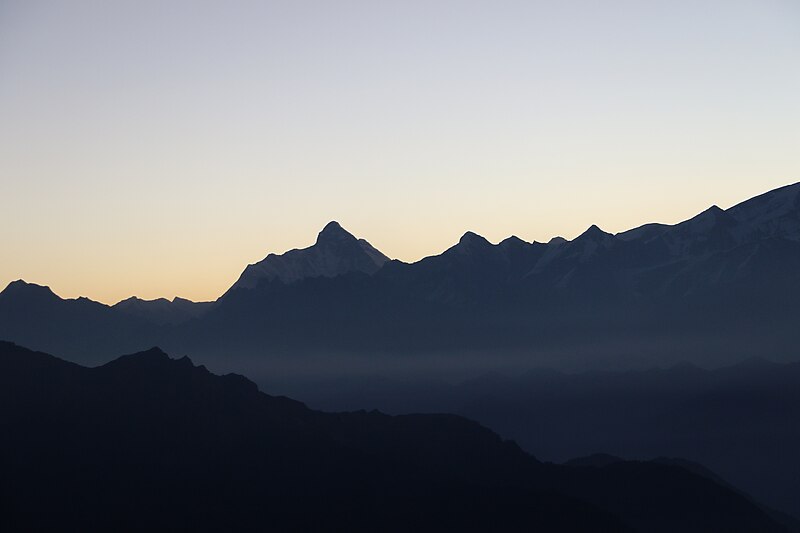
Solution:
(772, 214)
(710, 231)
(643, 233)
(591, 241)
(471, 243)
(775, 214)
(579, 250)
(336, 252)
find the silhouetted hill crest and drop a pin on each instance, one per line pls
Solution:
(158, 364)
(143, 443)
(335, 252)
(471, 241)
(22, 289)
(332, 233)
(595, 234)
(512, 242)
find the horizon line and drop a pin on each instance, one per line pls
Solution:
(467, 232)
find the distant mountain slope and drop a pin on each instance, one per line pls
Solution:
(773, 214)
(336, 252)
(147, 441)
(33, 314)
(715, 288)
(740, 421)
(162, 311)
(718, 287)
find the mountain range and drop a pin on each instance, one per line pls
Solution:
(741, 421)
(150, 442)
(512, 335)
(336, 252)
(717, 288)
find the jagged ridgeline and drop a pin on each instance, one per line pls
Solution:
(718, 287)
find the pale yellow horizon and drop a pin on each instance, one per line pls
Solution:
(156, 148)
(162, 273)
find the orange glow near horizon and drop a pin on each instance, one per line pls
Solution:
(168, 264)
(155, 149)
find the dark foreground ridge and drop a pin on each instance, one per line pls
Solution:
(149, 442)
(741, 421)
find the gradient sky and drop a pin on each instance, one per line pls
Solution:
(155, 148)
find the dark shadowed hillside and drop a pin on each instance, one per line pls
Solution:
(741, 421)
(148, 442)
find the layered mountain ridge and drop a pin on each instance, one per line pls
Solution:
(717, 289)
(688, 282)
(146, 439)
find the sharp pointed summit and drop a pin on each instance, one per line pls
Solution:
(512, 242)
(594, 233)
(333, 232)
(471, 239)
(335, 252)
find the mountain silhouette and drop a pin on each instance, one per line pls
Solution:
(162, 311)
(336, 252)
(147, 441)
(740, 421)
(714, 289)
